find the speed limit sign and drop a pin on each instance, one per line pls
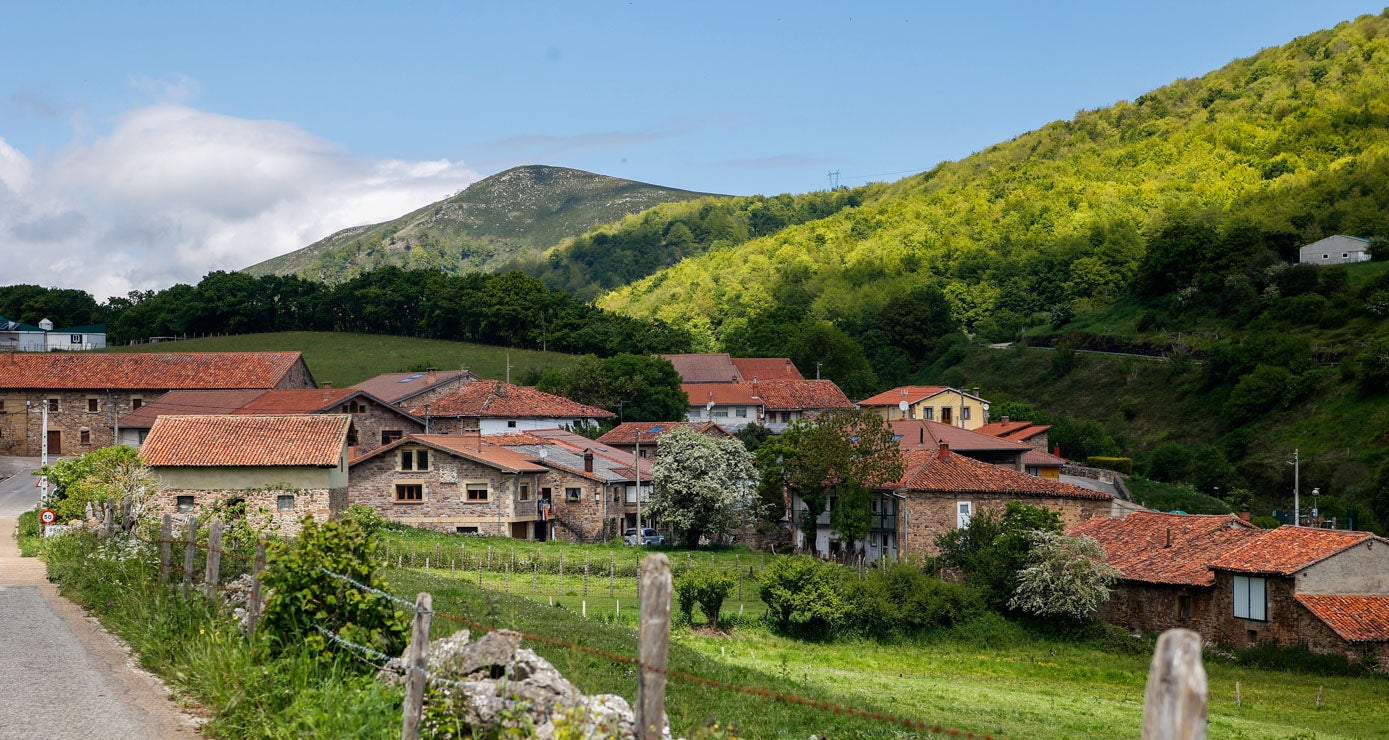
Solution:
(47, 516)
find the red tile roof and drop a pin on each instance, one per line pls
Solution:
(1177, 549)
(146, 370)
(1042, 459)
(800, 395)
(246, 441)
(395, 387)
(1286, 550)
(297, 401)
(188, 403)
(1354, 618)
(722, 394)
(908, 393)
(948, 472)
(626, 432)
(1014, 430)
(493, 399)
(707, 368)
(919, 434)
(767, 368)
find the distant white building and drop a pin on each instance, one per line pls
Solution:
(22, 337)
(1335, 250)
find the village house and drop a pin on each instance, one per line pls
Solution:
(941, 490)
(520, 486)
(1238, 585)
(374, 422)
(16, 336)
(276, 469)
(949, 406)
(629, 436)
(616, 470)
(772, 403)
(1335, 250)
(494, 407)
(1033, 435)
(87, 395)
(917, 434)
(409, 390)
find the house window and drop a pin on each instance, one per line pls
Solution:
(963, 511)
(352, 437)
(74, 339)
(84, 437)
(390, 435)
(525, 494)
(465, 530)
(285, 502)
(476, 492)
(643, 453)
(573, 494)
(405, 492)
(185, 504)
(1184, 607)
(695, 413)
(53, 405)
(964, 413)
(511, 423)
(741, 413)
(414, 459)
(928, 413)
(93, 405)
(721, 414)
(136, 403)
(1250, 598)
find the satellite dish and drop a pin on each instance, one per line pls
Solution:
(902, 404)
(544, 453)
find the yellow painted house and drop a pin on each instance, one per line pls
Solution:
(938, 403)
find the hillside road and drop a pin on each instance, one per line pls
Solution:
(61, 675)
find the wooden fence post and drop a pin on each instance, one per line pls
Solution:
(1174, 705)
(653, 647)
(415, 665)
(108, 524)
(212, 574)
(166, 547)
(189, 552)
(253, 604)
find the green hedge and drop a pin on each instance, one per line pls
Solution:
(1117, 464)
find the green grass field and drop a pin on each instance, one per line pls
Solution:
(343, 359)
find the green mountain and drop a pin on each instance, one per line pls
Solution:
(1269, 152)
(521, 211)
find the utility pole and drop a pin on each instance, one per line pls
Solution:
(636, 465)
(1297, 502)
(43, 452)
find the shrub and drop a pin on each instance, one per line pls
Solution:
(1065, 577)
(1118, 464)
(1169, 462)
(1298, 659)
(802, 596)
(992, 548)
(901, 599)
(304, 598)
(367, 518)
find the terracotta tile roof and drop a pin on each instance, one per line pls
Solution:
(919, 434)
(1014, 430)
(1354, 618)
(908, 393)
(188, 403)
(493, 399)
(1154, 547)
(722, 394)
(146, 370)
(1286, 550)
(707, 368)
(946, 471)
(565, 450)
(767, 368)
(396, 387)
(246, 441)
(801, 395)
(297, 401)
(1043, 459)
(626, 432)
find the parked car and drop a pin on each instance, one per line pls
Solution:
(649, 536)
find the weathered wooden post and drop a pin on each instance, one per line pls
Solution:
(416, 663)
(653, 647)
(108, 525)
(612, 575)
(212, 573)
(585, 576)
(560, 592)
(253, 604)
(166, 547)
(189, 553)
(1174, 705)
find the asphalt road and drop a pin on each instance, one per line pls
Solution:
(61, 675)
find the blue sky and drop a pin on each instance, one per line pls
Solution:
(143, 143)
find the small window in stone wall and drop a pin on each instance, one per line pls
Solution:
(1184, 607)
(525, 494)
(476, 492)
(285, 502)
(136, 403)
(185, 504)
(465, 530)
(84, 436)
(573, 494)
(409, 492)
(53, 405)
(93, 405)
(390, 435)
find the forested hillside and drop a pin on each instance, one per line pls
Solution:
(511, 214)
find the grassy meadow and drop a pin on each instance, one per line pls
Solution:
(344, 358)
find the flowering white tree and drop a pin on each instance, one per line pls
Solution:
(1064, 577)
(703, 487)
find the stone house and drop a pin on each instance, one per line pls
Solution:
(494, 407)
(527, 489)
(627, 435)
(950, 406)
(280, 467)
(409, 390)
(87, 395)
(1238, 585)
(374, 422)
(612, 471)
(771, 403)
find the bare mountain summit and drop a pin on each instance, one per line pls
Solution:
(516, 213)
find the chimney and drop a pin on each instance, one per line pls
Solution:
(588, 461)
(328, 385)
(1244, 515)
(1005, 420)
(429, 373)
(1169, 538)
(754, 380)
(921, 435)
(944, 448)
(1056, 450)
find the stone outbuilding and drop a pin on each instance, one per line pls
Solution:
(277, 468)
(494, 407)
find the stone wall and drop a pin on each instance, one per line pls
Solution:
(377, 418)
(21, 419)
(444, 505)
(1154, 608)
(297, 377)
(262, 505)
(926, 516)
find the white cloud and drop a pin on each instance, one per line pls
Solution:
(173, 192)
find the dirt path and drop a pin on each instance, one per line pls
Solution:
(61, 674)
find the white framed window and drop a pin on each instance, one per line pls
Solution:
(409, 493)
(1250, 598)
(695, 413)
(475, 492)
(963, 511)
(741, 413)
(928, 413)
(573, 494)
(720, 414)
